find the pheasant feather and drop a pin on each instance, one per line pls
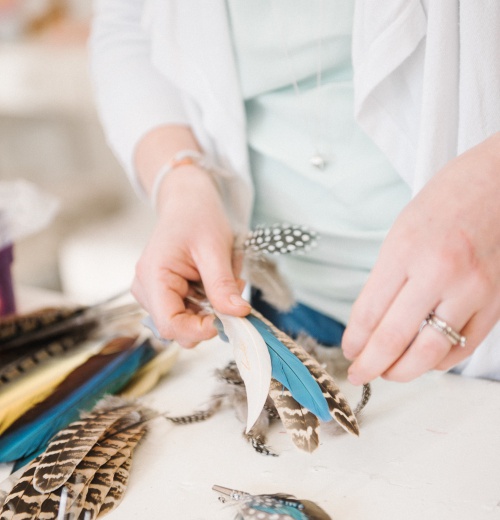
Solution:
(70, 445)
(117, 489)
(43, 325)
(14, 365)
(90, 480)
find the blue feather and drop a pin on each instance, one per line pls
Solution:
(276, 506)
(27, 441)
(291, 373)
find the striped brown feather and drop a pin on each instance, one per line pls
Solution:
(109, 446)
(98, 488)
(300, 423)
(117, 488)
(15, 364)
(23, 502)
(98, 466)
(15, 325)
(69, 446)
(337, 403)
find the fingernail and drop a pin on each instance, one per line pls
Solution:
(354, 379)
(236, 299)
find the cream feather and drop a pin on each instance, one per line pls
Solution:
(151, 373)
(22, 394)
(253, 360)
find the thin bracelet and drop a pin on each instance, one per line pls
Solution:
(182, 158)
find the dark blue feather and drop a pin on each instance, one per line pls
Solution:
(30, 439)
(291, 373)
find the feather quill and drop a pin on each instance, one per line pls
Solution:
(253, 360)
(105, 373)
(289, 370)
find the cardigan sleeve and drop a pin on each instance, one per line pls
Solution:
(132, 96)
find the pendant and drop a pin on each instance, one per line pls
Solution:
(318, 161)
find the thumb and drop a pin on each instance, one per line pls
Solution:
(222, 288)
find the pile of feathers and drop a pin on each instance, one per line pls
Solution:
(56, 366)
(74, 446)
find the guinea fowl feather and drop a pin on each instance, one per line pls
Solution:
(277, 506)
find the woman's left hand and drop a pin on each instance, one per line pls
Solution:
(442, 255)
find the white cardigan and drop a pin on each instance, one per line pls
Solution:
(426, 77)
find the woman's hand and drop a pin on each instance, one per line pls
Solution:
(442, 255)
(191, 242)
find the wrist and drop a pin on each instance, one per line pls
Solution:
(191, 164)
(185, 182)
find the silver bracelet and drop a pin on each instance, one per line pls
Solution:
(182, 158)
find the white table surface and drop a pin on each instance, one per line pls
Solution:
(429, 449)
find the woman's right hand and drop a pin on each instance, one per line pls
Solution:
(192, 241)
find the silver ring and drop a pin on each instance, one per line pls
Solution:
(440, 325)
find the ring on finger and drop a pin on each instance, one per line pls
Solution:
(454, 337)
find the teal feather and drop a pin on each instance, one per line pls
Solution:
(292, 374)
(278, 506)
(274, 505)
(28, 440)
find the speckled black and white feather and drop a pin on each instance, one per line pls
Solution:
(280, 239)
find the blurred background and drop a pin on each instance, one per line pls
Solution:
(50, 136)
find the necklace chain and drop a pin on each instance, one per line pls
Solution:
(318, 159)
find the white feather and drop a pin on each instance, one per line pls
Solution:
(253, 360)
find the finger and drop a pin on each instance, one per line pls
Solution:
(372, 304)
(167, 308)
(222, 289)
(430, 346)
(396, 331)
(475, 331)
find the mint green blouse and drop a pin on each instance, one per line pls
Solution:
(281, 45)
